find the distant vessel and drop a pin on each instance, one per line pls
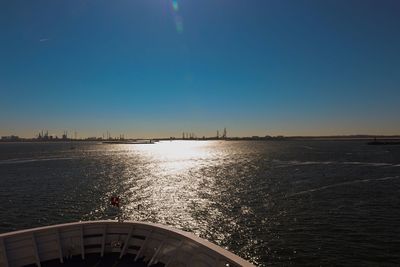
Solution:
(130, 142)
(111, 243)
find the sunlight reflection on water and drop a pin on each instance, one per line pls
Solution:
(168, 185)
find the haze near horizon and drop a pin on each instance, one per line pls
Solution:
(158, 68)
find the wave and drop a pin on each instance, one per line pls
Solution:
(300, 163)
(21, 161)
(342, 184)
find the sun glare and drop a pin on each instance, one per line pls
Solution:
(178, 155)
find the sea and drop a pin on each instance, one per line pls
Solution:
(274, 203)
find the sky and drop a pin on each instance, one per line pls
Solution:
(152, 68)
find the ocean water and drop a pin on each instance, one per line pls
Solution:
(274, 203)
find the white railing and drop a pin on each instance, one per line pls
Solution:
(152, 242)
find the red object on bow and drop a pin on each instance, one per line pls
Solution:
(115, 201)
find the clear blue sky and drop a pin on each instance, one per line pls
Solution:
(160, 67)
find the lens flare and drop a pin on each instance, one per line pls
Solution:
(179, 24)
(175, 5)
(177, 18)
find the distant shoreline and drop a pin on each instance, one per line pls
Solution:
(253, 138)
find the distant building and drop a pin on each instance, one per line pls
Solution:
(43, 136)
(65, 136)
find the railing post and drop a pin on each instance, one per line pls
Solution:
(103, 240)
(35, 250)
(128, 238)
(82, 243)
(4, 250)
(143, 246)
(59, 246)
(156, 254)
